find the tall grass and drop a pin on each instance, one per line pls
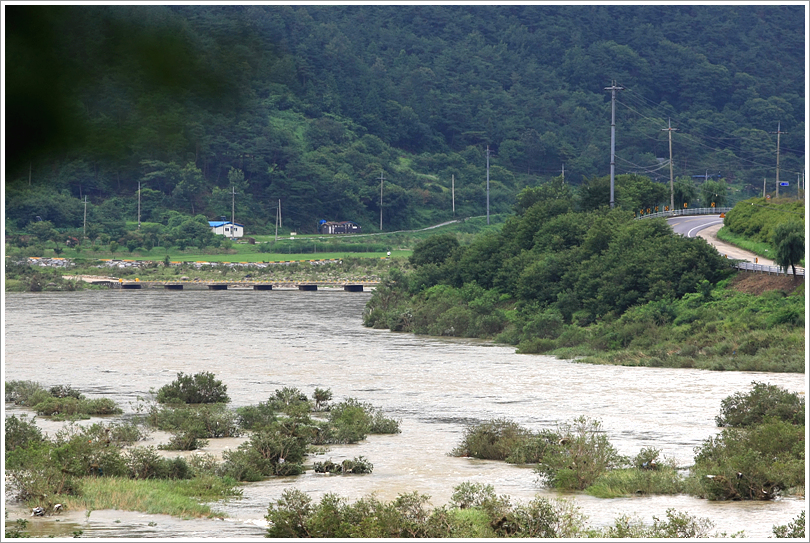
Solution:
(176, 498)
(633, 481)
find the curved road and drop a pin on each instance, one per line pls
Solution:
(706, 227)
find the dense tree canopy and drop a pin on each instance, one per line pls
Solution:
(311, 104)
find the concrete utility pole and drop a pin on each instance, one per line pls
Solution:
(139, 205)
(613, 88)
(763, 187)
(778, 133)
(487, 184)
(382, 178)
(84, 228)
(669, 129)
(278, 217)
(233, 211)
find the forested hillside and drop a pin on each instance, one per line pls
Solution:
(310, 105)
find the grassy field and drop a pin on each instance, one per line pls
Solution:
(288, 248)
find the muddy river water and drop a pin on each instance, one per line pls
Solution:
(122, 343)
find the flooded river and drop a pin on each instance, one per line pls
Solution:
(122, 343)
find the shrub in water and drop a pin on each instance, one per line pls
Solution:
(491, 440)
(582, 455)
(761, 402)
(754, 463)
(793, 529)
(253, 417)
(146, 463)
(198, 388)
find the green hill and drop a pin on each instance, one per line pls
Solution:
(312, 105)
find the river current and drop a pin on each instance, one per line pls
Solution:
(122, 343)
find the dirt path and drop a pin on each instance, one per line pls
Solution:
(710, 235)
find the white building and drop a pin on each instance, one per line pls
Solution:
(227, 229)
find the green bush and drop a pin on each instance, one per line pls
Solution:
(69, 406)
(200, 388)
(146, 463)
(676, 525)
(349, 422)
(794, 529)
(763, 401)
(20, 433)
(288, 400)
(750, 463)
(22, 392)
(358, 464)
(192, 425)
(476, 513)
(494, 439)
(580, 457)
(253, 417)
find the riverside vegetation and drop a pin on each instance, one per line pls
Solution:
(575, 457)
(759, 455)
(99, 466)
(564, 278)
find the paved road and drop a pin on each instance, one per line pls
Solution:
(706, 226)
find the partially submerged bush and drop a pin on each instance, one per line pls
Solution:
(253, 417)
(191, 426)
(21, 392)
(146, 463)
(494, 439)
(351, 421)
(761, 402)
(793, 529)
(60, 400)
(198, 388)
(676, 525)
(358, 464)
(755, 463)
(296, 515)
(580, 457)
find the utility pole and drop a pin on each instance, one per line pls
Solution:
(139, 205)
(453, 193)
(84, 228)
(763, 187)
(778, 133)
(278, 217)
(563, 174)
(487, 184)
(233, 211)
(382, 178)
(613, 88)
(669, 130)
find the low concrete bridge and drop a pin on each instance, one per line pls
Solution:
(349, 286)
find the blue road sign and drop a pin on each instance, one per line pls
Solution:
(784, 184)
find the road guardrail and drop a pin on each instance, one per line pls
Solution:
(683, 212)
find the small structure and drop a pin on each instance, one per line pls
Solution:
(227, 229)
(342, 227)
